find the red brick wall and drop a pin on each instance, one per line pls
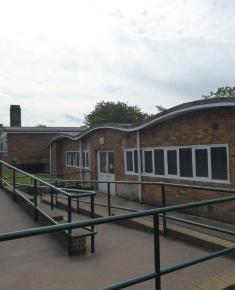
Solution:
(214, 126)
(211, 126)
(28, 148)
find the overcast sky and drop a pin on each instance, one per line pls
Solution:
(59, 58)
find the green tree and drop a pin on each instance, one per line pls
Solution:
(221, 92)
(160, 108)
(114, 112)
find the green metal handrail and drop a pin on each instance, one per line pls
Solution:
(53, 190)
(155, 213)
(151, 212)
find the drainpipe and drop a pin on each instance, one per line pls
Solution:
(50, 168)
(139, 165)
(81, 159)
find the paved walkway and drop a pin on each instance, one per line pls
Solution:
(39, 263)
(121, 202)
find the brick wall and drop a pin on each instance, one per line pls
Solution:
(211, 126)
(214, 126)
(28, 150)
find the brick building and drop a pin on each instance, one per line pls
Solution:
(193, 143)
(26, 147)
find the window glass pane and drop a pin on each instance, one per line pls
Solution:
(111, 162)
(78, 159)
(172, 162)
(148, 161)
(201, 160)
(129, 161)
(87, 159)
(219, 163)
(159, 161)
(186, 164)
(103, 167)
(136, 161)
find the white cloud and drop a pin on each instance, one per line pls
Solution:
(61, 57)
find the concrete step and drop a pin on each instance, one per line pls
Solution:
(173, 230)
(222, 281)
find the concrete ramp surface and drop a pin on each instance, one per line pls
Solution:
(40, 263)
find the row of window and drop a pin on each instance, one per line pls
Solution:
(205, 163)
(73, 158)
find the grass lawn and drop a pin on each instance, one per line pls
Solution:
(21, 178)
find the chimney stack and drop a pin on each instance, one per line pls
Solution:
(15, 116)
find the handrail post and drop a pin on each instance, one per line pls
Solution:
(92, 216)
(78, 203)
(69, 221)
(35, 199)
(164, 213)
(0, 174)
(56, 193)
(109, 198)
(14, 184)
(40, 197)
(56, 199)
(157, 265)
(52, 199)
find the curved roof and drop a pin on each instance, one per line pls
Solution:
(158, 118)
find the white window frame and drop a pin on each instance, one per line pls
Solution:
(87, 159)
(177, 176)
(70, 156)
(132, 150)
(143, 160)
(166, 163)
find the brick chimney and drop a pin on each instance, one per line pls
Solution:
(15, 116)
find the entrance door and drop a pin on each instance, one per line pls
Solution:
(106, 170)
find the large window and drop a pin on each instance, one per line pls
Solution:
(186, 162)
(219, 163)
(172, 161)
(148, 161)
(159, 167)
(85, 159)
(195, 162)
(73, 159)
(201, 162)
(131, 161)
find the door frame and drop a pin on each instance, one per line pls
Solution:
(106, 176)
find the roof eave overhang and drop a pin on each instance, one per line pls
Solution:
(159, 119)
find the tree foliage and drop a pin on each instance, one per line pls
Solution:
(160, 108)
(114, 112)
(221, 92)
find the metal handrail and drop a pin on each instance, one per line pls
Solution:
(35, 178)
(207, 188)
(155, 213)
(151, 212)
(53, 190)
